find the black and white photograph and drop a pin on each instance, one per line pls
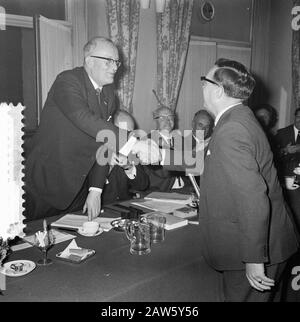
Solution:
(149, 154)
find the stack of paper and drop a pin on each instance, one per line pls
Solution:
(73, 221)
(172, 221)
(59, 237)
(175, 197)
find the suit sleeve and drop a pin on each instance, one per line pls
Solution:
(97, 176)
(69, 98)
(141, 181)
(236, 149)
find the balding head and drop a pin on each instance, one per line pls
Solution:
(124, 120)
(203, 121)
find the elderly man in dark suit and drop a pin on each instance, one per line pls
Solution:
(247, 233)
(80, 104)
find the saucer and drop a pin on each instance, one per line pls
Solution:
(82, 233)
(27, 268)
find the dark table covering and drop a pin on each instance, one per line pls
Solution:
(173, 271)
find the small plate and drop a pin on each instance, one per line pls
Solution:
(27, 268)
(82, 233)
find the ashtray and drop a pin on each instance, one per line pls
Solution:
(119, 224)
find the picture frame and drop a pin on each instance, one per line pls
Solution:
(207, 10)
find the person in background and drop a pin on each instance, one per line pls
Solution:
(288, 145)
(166, 137)
(202, 121)
(288, 156)
(267, 117)
(247, 234)
(114, 182)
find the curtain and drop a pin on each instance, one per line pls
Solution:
(55, 54)
(260, 50)
(77, 15)
(173, 30)
(296, 63)
(123, 25)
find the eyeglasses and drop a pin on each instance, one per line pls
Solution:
(203, 78)
(109, 61)
(164, 117)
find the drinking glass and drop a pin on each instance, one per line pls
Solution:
(43, 241)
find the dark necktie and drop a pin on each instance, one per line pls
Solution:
(298, 138)
(101, 101)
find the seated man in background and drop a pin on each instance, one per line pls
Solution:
(267, 117)
(288, 158)
(288, 146)
(110, 183)
(161, 179)
(202, 121)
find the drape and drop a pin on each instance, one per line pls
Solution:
(123, 25)
(173, 30)
(296, 63)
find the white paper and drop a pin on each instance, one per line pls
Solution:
(59, 238)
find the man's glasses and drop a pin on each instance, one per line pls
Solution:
(164, 117)
(109, 61)
(203, 78)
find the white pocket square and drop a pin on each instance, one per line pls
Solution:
(208, 152)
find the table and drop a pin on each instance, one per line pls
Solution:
(173, 271)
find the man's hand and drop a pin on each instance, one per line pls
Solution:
(255, 273)
(290, 149)
(147, 151)
(92, 204)
(120, 160)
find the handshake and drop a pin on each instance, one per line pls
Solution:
(146, 150)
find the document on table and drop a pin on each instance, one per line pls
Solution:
(173, 197)
(58, 235)
(156, 205)
(73, 221)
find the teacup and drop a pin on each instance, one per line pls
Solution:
(90, 227)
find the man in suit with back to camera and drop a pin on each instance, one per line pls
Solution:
(80, 104)
(247, 233)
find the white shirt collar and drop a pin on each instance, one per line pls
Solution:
(166, 138)
(94, 83)
(226, 109)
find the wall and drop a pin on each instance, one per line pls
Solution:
(232, 20)
(280, 68)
